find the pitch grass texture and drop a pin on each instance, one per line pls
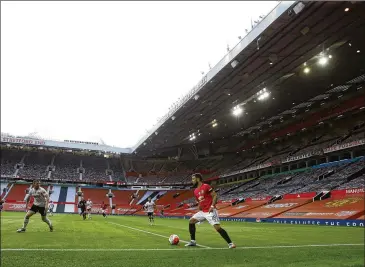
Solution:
(130, 241)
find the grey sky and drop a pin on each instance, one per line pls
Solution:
(90, 70)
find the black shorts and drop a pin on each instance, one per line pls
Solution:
(150, 214)
(41, 210)
(83, 210)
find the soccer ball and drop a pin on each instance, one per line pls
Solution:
(174, 239)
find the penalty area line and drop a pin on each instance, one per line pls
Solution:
(147, 232)
(168, 249)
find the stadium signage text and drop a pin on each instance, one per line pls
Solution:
(185, 98)
(338, 222)
(14, 207)
(22, 141)
(282, 205)
(258, 198)
(344, 146)
(254, 168)
(322, 222)
(355, 191)
(299, 157)
(303, 156)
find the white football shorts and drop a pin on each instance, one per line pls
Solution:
(211, 217)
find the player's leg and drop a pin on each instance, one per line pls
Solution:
(213, 219)
(33, 210)
(89, 214)
(197, 217)
(45, 219)
(153, 218)
(225, 235)
(149, 217)
(83, 212)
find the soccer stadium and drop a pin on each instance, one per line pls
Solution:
(275, 131)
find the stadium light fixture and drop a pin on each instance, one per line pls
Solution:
(234, 63)
(323, 61)
(192, 137)
(307, 70)
(347, 9)
(358, 51)
(237, 110)
(263, 94)
(215, 124)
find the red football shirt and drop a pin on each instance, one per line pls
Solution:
(203, 196)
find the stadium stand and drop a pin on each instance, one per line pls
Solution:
(344, 204)
(308, 144)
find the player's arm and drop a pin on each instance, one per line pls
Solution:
(26, 199)
(46, 198)
(215, 199)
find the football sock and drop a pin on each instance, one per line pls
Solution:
(192, 230)
(47, 221)
(26, 221)
(224, 234)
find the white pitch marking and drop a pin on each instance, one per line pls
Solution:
(143, 231)
(169, 249)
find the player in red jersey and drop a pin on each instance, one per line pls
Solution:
(104, 209)
(207, 199)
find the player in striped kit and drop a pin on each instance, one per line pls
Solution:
(41, 200)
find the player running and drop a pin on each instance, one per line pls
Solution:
(41, 199)
(104, 208)
(82, 206)
(207, 199)
(150, 208)
(50, 208)
(89, 205)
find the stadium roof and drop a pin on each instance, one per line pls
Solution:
(298, 56)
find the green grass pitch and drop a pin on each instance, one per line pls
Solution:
(130, 241)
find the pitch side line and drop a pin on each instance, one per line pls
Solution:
(169, 249)
(143, 231)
